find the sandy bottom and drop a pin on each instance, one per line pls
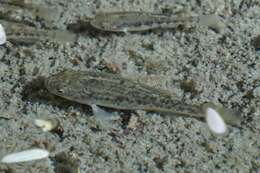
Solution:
(223, 67)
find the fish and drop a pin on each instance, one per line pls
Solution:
(27, 23)
(21, 3)
(26, 13)
(131, 21)
(114, 91)
(21, 33)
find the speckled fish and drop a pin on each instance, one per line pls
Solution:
(16, 14)
(114, 91)
(20, 33)
(138, 21)
(22, 3)
(25, 12)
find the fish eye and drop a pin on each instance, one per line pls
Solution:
(61, 91)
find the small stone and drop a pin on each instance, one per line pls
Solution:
(66, 163)
(76, 60)
(47, 124)
(188, 86)
(132, 124)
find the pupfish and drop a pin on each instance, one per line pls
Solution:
(20, 33)
(115, 91)
(142, 21)
(25, 12)
(17, 14)
(22, 3)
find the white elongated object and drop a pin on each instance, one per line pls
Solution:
(215, 121)
(26, 155)
(2, 35)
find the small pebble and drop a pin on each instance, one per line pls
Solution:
(133, 122)
(2, 35)
(47, 124)
(26, 155)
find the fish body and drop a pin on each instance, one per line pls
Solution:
(138, 21)
(115, 91)
(21, 22)
(21, 33)
(21, 3)
(14, 13)
(26, 13)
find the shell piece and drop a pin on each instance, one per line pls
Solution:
(26, 155)
(215, 121)
(47, 124)
(2, 35)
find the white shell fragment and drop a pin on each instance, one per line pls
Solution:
(26, 155)
(46, 124)
(215, 121)
(2, 35)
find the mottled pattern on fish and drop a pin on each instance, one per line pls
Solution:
(16, 14)
(138, 21)
(19, 17)
(114, 91)
(25, 12)
(21, 3)
(20, 33)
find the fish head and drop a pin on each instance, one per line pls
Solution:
(63, 84)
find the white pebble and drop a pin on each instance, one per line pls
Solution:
(215, 121)
(46, 125)
(2, 35)
(26, 155)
